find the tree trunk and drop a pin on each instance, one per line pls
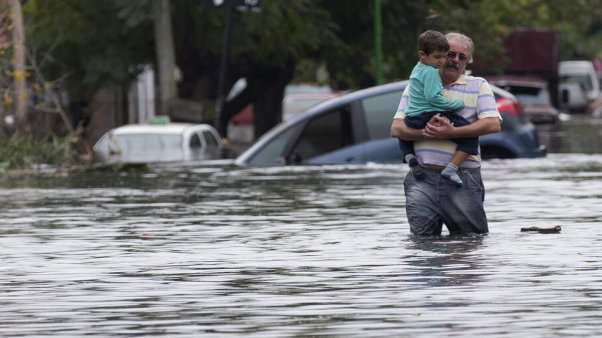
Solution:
(19, 67)
(268, 105)
(165, 55)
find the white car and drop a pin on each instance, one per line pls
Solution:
(148, 143)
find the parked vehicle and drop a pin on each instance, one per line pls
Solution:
(167, 142)
(578, 84)
(533, 94)
(355, 128)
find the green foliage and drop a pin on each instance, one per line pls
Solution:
(578, 21)
(28, 152)
(92, 43)
(284, 32)
(89, 43)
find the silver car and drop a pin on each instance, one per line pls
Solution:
(355, 128)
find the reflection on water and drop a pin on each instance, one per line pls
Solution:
(446, 260)
(222, 251)
(579, 134)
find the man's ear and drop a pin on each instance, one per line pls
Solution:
(422, 54)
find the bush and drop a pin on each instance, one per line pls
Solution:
(28, 152)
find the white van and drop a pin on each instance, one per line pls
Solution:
(574, 75)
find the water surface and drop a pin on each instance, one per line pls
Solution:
(215, 250)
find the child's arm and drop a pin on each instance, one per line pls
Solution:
(433, 93)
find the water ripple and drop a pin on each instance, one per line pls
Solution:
(274, 252)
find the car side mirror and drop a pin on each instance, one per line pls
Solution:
(293, 159)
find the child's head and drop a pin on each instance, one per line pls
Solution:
(432, 48)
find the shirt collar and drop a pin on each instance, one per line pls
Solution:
(462, 80)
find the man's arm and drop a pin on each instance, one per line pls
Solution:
(440, 128)
(400, 130)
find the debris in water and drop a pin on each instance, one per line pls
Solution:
(552, 230)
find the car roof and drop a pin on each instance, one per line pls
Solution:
(167, 129)
(358, 94)
(339, 101)
(517, 80)
(310, 96)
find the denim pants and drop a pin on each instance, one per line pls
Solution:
(434, 201)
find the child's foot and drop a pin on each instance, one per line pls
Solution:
(451, 173)
(415, 166)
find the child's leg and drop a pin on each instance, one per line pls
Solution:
(450, 172)
(407, 149)
(466, 146)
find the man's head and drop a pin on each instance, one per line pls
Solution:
(432, 48)
(459, 56)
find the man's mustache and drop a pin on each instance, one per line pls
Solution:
(452, 65)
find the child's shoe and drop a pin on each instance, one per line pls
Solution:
(450, 172)
(415, 166)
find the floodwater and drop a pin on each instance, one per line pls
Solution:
(218, 251)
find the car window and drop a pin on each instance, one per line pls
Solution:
(195, 141)
(530, 95)
(210, 139)
(271, 153)
(582, 79)
(146, 142)
(378, 112)
(324, 134)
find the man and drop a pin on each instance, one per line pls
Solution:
(432, 201)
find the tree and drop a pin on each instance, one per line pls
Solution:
(19, 65)
(165, 54)
(89, 43)
(265, 49)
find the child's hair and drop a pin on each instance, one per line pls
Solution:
(431, 41)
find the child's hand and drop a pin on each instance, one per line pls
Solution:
(438, 120)
(438, 128)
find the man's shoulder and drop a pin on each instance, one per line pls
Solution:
(474, 79)
(474, 84)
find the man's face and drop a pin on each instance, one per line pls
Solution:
(457, 59)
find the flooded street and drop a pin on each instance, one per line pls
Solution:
(215, 250)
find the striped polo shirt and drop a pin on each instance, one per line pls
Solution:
(479, 102)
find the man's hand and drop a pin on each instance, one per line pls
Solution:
(438, 128)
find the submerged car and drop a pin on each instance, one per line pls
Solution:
(355, 128)
(532, 93)
(166, 142)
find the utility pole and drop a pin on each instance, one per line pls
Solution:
(19, 66)
(221, 82)
(166, 63)
(378, 30)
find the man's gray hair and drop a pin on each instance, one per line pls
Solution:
(463, 39)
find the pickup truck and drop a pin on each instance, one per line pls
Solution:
(578, 84)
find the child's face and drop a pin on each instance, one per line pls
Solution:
(435, 59)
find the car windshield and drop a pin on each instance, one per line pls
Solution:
(148, 142)
(582, 79)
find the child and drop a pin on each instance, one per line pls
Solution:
(427, 100)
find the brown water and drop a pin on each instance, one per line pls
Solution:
(219, 251)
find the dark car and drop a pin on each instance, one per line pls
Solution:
(533, 95)
(355, 128)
